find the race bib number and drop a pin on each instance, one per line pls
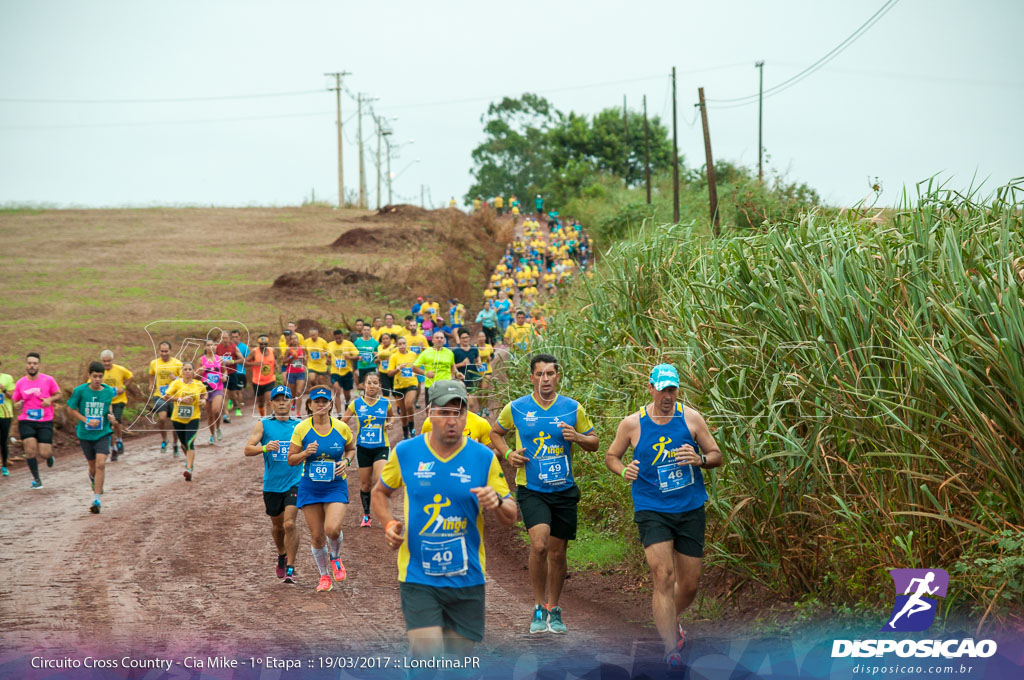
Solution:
(163, 390)
(94, 416)
(34, 414)
(672, 477)
(315, 356)
(553, 469)
(406, 371)
(365, 356)
(483, 367)
(416, 349)
(340, 363)
(372, 435)
(384, 365)
(297, 363)
(321, 471)
(281, 455)
(444, 558)
(1, 398)
(185, 411)
(213, 378)
(93, 424)
(226, 357)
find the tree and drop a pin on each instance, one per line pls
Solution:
(515, 156)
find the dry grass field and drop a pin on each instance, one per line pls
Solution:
(80, 281)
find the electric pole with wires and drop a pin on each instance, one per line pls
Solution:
(341, 173)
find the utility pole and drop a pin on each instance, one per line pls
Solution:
(360, 99)
(387, 143)
(647, 154)
(760, 119)
(376, 120)
(675, 153)
(625, 139)
(341, 174)
(712, 185)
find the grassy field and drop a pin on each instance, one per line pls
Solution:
(80, 281)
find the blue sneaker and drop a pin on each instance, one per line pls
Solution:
(50, 461)
(36, 484)
(163, 446)
(4, 471)
(555, 624)
(539, 621)
(95, 508)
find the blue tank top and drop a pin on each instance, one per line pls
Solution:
(330, 448)
(548, 455)
(372, 433)
(662, 485)
(278, 475)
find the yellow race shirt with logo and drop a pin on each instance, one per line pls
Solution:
(519, 335)
(384, 357)
(165, 373)
(490, 293)
(186, 413)
(477, 428)
(397, 360)
(321, 349)
(343, 352)
(115, 377)
(394, 331)
(417, 340)
(486, 353)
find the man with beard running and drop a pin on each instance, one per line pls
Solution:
(34, 395)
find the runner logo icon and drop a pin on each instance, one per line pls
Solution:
(917, 593)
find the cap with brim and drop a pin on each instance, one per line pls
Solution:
(443, 392)
(664, 376)
(319, 393)
(279, 390)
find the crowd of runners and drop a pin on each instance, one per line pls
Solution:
(325, 407)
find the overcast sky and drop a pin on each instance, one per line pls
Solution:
(935, 86)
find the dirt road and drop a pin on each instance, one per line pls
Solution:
(172, 567)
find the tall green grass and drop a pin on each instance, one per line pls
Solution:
(865, 381)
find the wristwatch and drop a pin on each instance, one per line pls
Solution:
(703, 460)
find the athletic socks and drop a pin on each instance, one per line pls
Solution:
(335, 545)
(364, 496)
(33, 466)
(96, 498)
(320, 555)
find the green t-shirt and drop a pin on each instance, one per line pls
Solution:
(5, 399)
(367, 351)
(439, 361)
(93, 404)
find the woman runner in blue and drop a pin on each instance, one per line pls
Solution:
(373, 415)
(324, 446)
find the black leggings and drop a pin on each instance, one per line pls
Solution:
(490, 334)
(5, 436)
(187, 433)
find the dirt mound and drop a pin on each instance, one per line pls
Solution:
(412, 212)
(359, 237)
(321, 278)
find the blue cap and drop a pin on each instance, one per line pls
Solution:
(664, 375)
(279, 390)
(320, 393)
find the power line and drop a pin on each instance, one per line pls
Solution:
(266, 95)
(165, 122)
(829, 56)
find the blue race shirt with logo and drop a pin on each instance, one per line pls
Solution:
(662, 485)
(278, 475)
(372, 417)
(549, 456)
(443, 521)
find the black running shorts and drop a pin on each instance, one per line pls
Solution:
(557, 509)
(684, 529)
(456, 609)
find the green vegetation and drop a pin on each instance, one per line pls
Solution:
(864, 377)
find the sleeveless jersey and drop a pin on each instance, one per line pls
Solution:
(278, 475)
(372, 432)
(662, 485)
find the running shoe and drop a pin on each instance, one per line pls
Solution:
(4, 472)
(325, 584)
(680, 638)
(211, 440)
(219, 435)
(163, 447)
(36, 484)
(674, 661)
(114, 455)
(539, 620)
(227, 418)
(238, 413)
(50, 461)
(280, 566)
(95, 508)
(120, 446)
(176, 454)
(338, 569)
(365, 522)
(187, 474)
(555, 624)
(289, 575)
